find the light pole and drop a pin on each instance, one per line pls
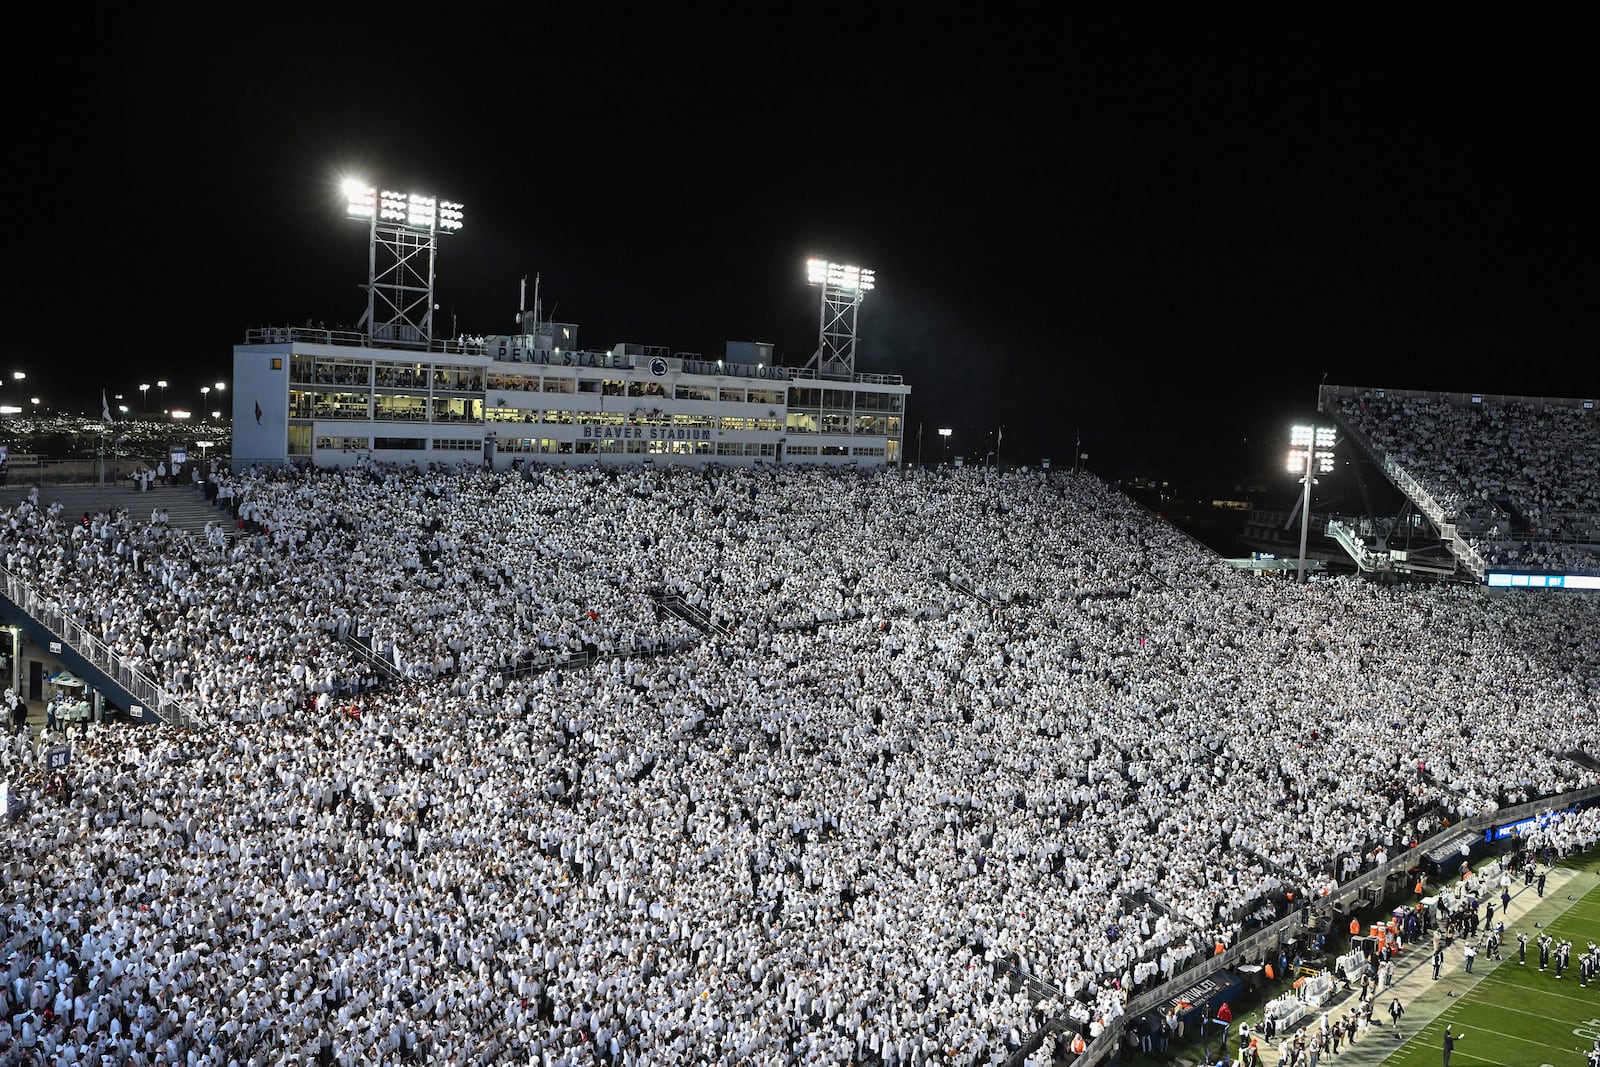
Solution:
(1310, 449)
(843, 286)
(402, 242)
(19, 376)
(945, 432)
(145, 389)
(205, 396)
(162, 385)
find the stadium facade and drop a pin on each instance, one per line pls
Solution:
(330, 397)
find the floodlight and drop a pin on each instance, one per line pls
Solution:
(360, 199)
(843, 286)
(840, 276)
(420, 211)
(1309, 446)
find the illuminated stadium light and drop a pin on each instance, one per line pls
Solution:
(404, 228)
(1310, 447)
(392, 206)
(840, 276)
(843, 286)
(361, 200)
(1301, 454)
(421, 211)
(414, 211)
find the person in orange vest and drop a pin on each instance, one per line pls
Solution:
(1355, 927)
(1078, 1044)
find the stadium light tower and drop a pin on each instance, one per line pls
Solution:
(945, 432)
(1310, 450)
(402, 245)
(843, 287)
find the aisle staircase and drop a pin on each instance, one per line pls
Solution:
(186, 507)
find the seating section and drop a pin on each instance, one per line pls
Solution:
(947, 754)
(1518, 477)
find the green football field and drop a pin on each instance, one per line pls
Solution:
(1519, 1014)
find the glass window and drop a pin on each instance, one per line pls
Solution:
(401, 408)
(402, 376)
(341, 405)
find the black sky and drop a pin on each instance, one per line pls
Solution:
(1159, 228)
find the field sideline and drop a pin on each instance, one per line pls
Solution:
(1512, 1013)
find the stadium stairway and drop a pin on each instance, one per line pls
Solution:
(186, 507)
(1468, 556)
(1581, 758)
(674, 604)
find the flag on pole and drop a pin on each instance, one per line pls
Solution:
(105, 407)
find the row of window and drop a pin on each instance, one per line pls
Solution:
(346, 372)
(407, 444)
(837, 422)
(362, 407)
(831, 450)
(613, 446)
(300, 445)
(305, 369)
(563, 417)
(845, 400)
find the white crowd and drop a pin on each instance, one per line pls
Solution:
(949, 724)
(1520, 478)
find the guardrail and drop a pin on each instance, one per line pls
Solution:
(74, 633)
(1469, 556)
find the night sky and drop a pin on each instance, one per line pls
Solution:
(1160, 230)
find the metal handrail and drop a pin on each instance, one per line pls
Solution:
(74, 633)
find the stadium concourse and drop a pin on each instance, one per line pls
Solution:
(931, 729)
